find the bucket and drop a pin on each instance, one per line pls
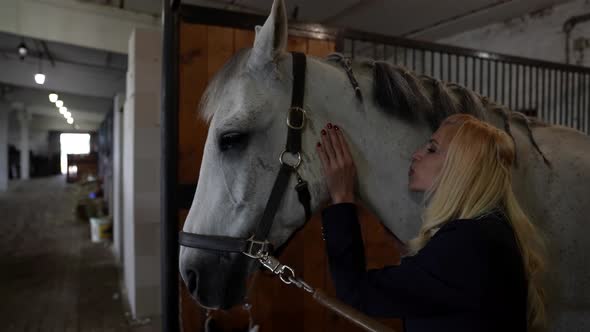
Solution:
(101, 229)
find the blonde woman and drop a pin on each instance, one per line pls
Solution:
(477, 261)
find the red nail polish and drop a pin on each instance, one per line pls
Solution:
(329, 126)
(336, 128)
(323, 132)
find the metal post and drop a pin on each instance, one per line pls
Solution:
(169, 134)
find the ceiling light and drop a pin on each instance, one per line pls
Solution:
(70, 120)
(53, 97)
(68, 115)
(59, 103)
(39, 78)
(22, 50)
(63, 110)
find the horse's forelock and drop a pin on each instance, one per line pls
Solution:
(216, 88)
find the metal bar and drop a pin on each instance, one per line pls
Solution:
(539, 97)
(458, 69)
(489, 75)
(567, 116)
(375, 51)
(449, 68)
(405, 57)
(496, 80)
(551, 105)
(418, 44)
(423, 62)
(473, 73)
(503, 85)
(510, 87)
(555, 96)
(518, 91)
(340, 44)
(169, 172)
(480, 76)
(530, 84)
(579, 102)
(585, 108)
(561, 104)
(465, 70)
(440, 67)
(431, 63)
(541, 92)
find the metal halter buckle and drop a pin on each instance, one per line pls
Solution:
(295, 154)
(303, 116)
(256, 249)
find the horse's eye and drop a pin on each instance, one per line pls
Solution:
(232, 141)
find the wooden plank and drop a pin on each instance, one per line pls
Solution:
(220, 48)
(320, 48)
(297, 44)
(193, 77)
(243, 39)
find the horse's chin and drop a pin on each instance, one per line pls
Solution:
(222, 286)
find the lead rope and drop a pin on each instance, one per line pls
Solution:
(288, 276)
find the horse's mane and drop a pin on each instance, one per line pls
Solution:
(400, 92)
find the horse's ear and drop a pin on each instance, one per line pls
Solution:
(271, 38)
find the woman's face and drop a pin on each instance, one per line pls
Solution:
(428, 161)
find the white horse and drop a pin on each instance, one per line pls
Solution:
(247, 105)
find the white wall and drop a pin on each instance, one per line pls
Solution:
(141, 174)
(537, 36)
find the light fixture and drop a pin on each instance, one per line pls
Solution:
(53, 97)
(22, 50)
(63, 110)
(70, 120)
(68, 115)
(39, 78)
(59, 103)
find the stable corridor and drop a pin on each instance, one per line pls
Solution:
(53, 278)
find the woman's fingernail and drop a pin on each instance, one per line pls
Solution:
(336, 128)
(319, 145)
(323, 132)
(329, 126)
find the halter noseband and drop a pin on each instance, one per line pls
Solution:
(257, 245)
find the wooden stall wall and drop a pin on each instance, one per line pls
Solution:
(275, 306)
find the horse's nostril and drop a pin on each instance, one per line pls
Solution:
(191, 283)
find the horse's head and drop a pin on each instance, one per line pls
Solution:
(246, 104)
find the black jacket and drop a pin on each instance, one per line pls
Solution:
(469, 277)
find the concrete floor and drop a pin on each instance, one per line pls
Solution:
(52, 278)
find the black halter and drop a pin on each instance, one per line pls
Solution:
(257, 244)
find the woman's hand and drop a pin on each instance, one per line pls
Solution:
(337, 165)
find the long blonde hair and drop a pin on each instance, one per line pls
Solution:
(476, 178)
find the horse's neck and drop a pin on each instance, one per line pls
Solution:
(381, 144)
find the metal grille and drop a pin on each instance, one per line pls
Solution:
(552, 92)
